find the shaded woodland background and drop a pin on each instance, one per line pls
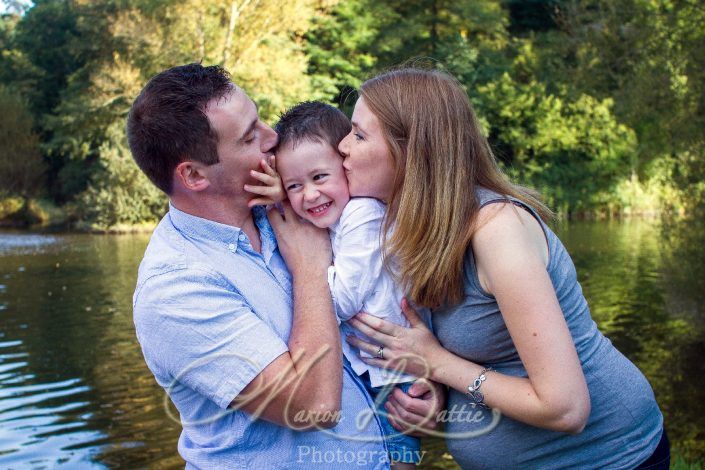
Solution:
(599, 104)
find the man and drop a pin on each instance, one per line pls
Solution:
(235, 324)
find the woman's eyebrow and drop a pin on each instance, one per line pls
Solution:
(356, 125)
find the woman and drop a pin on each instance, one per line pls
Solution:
(514, 330)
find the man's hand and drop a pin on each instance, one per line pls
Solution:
(416, 412)
(302, 245)
(271, 191)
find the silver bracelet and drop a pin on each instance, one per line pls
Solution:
(474, 390)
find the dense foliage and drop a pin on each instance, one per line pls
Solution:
(597, 103)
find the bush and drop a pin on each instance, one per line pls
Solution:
(118, 194)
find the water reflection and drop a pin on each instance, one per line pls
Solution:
(638, 278)
(74, 388)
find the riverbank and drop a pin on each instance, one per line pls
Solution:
(41, 214)
(44, 215)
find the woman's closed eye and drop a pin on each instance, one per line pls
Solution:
(358, 136)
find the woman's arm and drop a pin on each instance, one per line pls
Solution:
(510, 254)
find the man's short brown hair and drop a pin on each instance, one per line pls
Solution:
(167, 123)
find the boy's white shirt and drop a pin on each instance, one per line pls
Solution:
(359, 282)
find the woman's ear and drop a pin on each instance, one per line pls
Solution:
(190, 175)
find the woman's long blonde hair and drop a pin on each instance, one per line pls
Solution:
(440, 158)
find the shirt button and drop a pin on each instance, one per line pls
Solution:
(241, 237)
(231, 247)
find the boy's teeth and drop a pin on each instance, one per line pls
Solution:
(320, 208)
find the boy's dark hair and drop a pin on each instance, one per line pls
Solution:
(167, 123)
(312, 121)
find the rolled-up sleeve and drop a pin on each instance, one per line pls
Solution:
(195, 329)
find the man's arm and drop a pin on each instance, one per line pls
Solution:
(302, 388)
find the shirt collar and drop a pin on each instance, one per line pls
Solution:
(266, 233)
(197, 227)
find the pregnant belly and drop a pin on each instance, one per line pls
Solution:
(476, 439)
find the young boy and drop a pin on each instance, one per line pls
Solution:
(310, 170)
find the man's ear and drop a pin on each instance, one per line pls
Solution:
(190, 175)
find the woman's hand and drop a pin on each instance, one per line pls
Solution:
(414, 350)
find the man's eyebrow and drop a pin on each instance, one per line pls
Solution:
(252, 125)
(249, 129)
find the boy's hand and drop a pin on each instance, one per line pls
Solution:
(271, 191)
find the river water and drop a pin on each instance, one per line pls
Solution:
(75, 391)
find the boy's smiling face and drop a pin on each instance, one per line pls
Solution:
(313, 177)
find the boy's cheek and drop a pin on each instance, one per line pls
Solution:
(297, 205)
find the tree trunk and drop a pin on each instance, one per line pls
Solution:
(235, 11)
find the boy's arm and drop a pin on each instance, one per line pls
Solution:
(271, 191)
(358, 257)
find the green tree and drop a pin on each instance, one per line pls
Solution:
(357, 39)
(573, 150)
(339, 46)
(257, 41)
(647, 56)
(21, 162)
(85, 87)
(47, 35)
(118, 194)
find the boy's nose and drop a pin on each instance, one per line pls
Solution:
(311, 194)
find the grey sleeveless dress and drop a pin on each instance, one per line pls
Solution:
(625, 423)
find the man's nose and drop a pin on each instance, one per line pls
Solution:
(269, 139)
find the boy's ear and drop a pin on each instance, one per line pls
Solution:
(190, 175)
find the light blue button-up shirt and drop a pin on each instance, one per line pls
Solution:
(210, 314)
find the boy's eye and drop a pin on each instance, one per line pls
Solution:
(319, 176)
(293, 187)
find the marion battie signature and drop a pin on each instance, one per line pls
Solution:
(477, 421)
